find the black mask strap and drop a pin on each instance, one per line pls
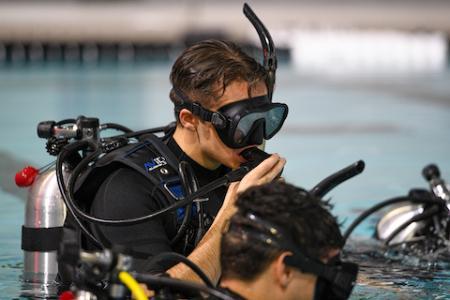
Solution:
(216, 118)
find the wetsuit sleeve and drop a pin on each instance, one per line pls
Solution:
(127, 194)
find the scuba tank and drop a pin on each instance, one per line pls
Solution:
(45, 213)
(407, 221)
(46, 210)
(398, 215)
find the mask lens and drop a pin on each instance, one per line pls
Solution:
(273, 119)
(244, 126)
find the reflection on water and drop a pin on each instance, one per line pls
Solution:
(31, 290)
(394, 275)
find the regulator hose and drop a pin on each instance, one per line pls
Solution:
(158, 282)
(132, 285)
(65, 121)
(116, 127)
(183, 170)
(173, 256)
(134, 134)
(74, 210)
(67, 151)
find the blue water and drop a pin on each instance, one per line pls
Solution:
(396, 124)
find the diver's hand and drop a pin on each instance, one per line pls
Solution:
(207, 253)
(264, 173)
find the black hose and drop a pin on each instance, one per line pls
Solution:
(201, 227)
(68, 196)
(116, 127)
(65, 121)
(158, 282)
(134, 134)
(67, 151)
(176, 257)
(385, 203)
(182, 168)
(425, 215)
(193, 184)
(340, 176)
(232, 176)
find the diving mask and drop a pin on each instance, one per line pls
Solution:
(335, 279)
(241, 123)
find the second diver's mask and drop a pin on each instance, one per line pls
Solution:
(241, 123)
(335, 279)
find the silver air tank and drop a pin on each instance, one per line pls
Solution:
(403, 212)
(41, 234)
(398, 215)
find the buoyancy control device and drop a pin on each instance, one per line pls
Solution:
(78, 145)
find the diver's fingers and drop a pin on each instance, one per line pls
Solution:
(263, 168)
(231, 195)
(273, 173)
(265, 172)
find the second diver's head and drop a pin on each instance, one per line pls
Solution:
(278, 242)
(221, 103)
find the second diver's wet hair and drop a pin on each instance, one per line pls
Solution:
(204, 70)
(305, 218)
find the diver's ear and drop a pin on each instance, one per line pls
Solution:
(283, 274)
(187, 119)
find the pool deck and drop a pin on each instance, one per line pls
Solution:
(168, 21)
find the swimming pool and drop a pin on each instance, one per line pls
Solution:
(396, 124)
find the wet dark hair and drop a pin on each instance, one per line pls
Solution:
(305, 218)
(204, 70)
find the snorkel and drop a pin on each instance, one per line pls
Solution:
(269, 55)
(254, 156)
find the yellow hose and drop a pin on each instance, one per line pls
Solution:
(133, 285)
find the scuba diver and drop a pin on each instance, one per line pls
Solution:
(223, 107)
(283, 243)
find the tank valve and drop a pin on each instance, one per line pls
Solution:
(26, 176)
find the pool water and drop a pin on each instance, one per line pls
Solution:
(396, 124)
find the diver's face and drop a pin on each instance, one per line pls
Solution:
(214, 151)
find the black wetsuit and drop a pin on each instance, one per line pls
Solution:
(128, 194)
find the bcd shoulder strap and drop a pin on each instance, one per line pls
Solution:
(151, 158)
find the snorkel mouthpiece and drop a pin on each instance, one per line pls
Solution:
(254, 157)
